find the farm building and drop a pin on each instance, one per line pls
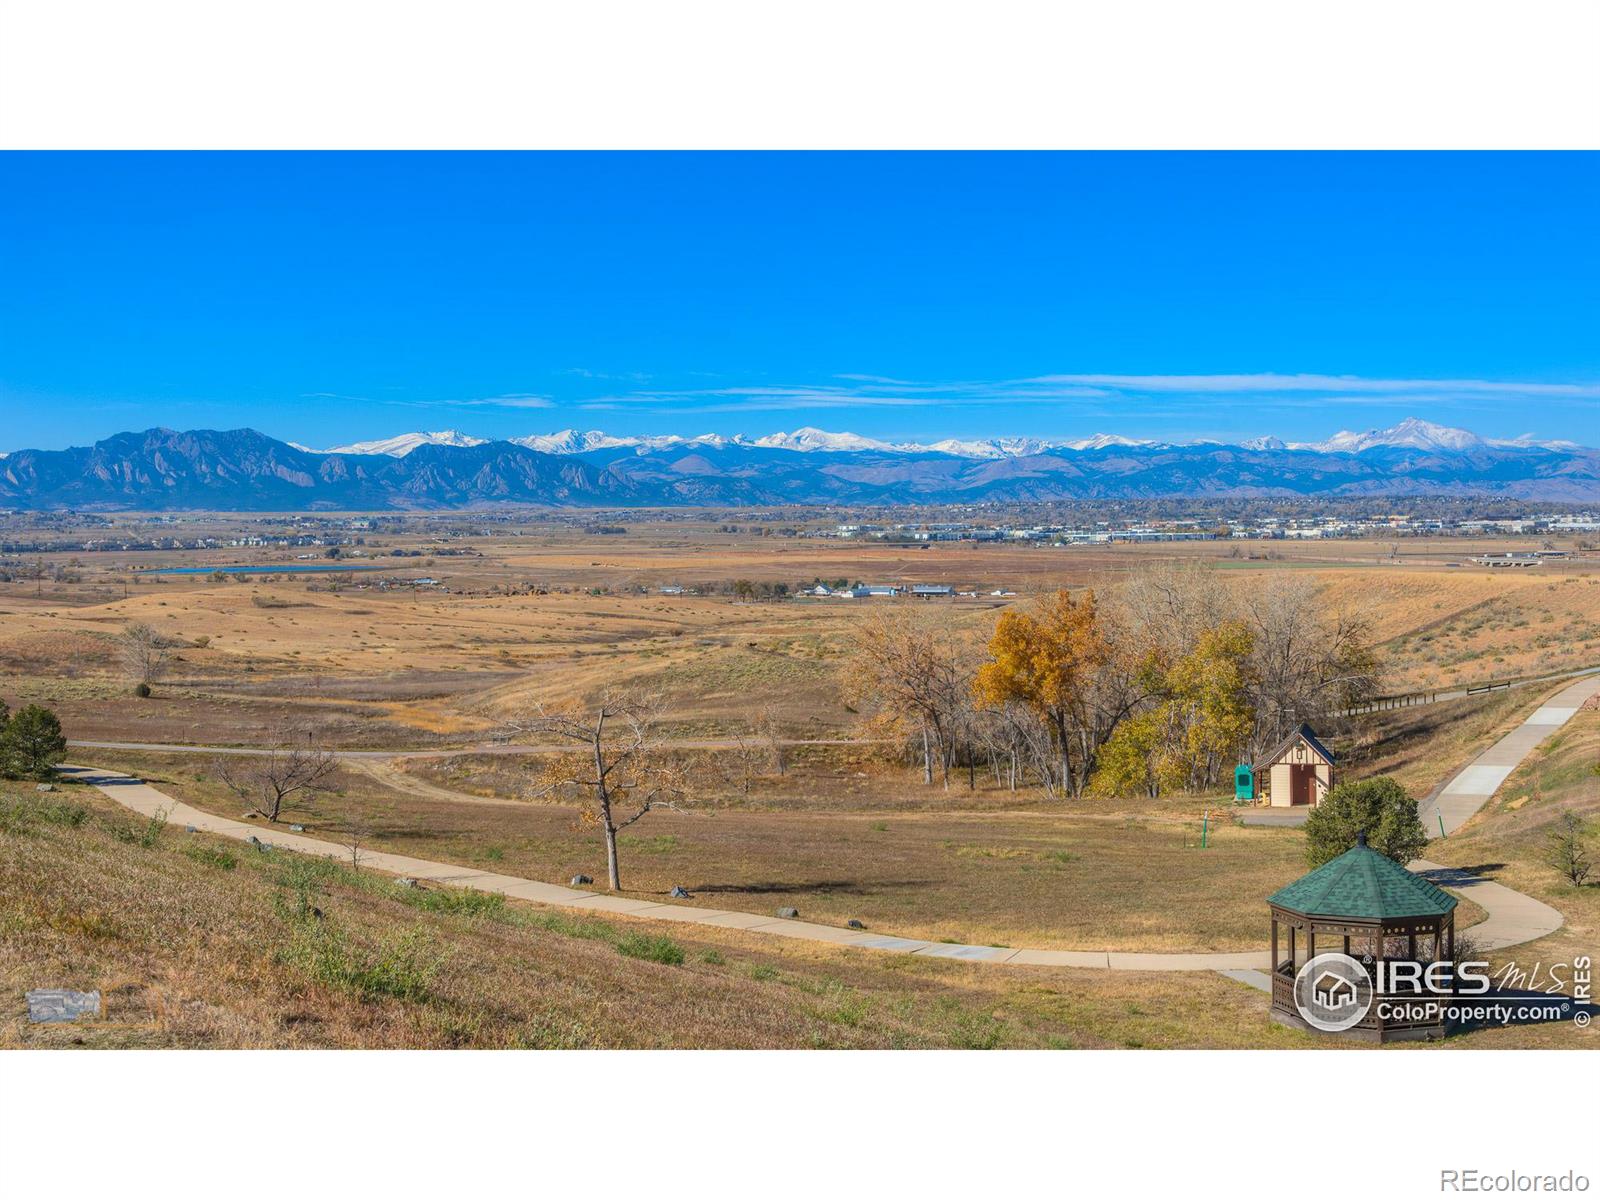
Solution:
(1299, 770)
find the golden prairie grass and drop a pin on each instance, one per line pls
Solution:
(199, 943)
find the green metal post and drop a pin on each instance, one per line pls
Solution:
(1205, 818)
(1441, 823)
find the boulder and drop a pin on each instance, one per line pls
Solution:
(789, 912)
(297, 829)
(580, 880)
(852, 923)
(680, 893)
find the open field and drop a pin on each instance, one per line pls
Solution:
(555, 612)
(849, 831)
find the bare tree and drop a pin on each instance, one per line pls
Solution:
(768, 733)
(744, 759)
(618, 761)
(908, 673)
(266, 781)
(356, 834)
(1569, 849)
(144, 652)
(1305, 660)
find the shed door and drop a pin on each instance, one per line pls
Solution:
(1302, 785)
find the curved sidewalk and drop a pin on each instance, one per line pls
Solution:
(1512, 917)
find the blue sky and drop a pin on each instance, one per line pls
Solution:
(325, 297)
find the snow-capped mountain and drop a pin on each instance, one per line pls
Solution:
(1413, 433)
(1102, 440)
(242, 470)
(403, 444)
(808, 439)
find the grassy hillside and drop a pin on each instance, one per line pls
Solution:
(200, 942)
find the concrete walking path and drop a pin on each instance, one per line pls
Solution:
(1512, 917)
(1470, 789)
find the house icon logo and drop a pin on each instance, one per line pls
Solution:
(1332, 992)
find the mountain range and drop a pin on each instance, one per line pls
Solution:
(1411, 433)
(243, 470)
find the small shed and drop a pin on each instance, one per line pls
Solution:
(1368, 908)
(1299, 770)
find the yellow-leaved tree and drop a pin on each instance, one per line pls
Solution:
(1049, 659)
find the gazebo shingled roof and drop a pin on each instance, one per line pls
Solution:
(1363, 884)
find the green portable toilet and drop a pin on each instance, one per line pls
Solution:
(1244, 782)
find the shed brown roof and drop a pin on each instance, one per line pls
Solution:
(1282, 748)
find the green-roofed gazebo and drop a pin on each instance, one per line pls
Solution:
(1372, 909)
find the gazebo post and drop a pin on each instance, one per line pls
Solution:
(1311, 940)
(1275, 963)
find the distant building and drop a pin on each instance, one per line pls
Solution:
(926, 591)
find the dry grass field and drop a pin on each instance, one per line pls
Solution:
(198, 942)
(557, 613)
(201, 945)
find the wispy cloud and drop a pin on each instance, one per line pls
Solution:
(864, 392)
(1268, 382)
(1089, 395)
(509, 400)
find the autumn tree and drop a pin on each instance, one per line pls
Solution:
(617, 762)
(1199, 721)
(267, 781)
(1049, 660)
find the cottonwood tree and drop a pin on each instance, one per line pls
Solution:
(618, 763)
(1305, 660)
(1200, 719)
(266, 781)
(1049, 660)
(907, 673)
(144, 653)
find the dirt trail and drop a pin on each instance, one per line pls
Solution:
(390, 776)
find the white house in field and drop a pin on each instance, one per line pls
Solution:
(1298, 771)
